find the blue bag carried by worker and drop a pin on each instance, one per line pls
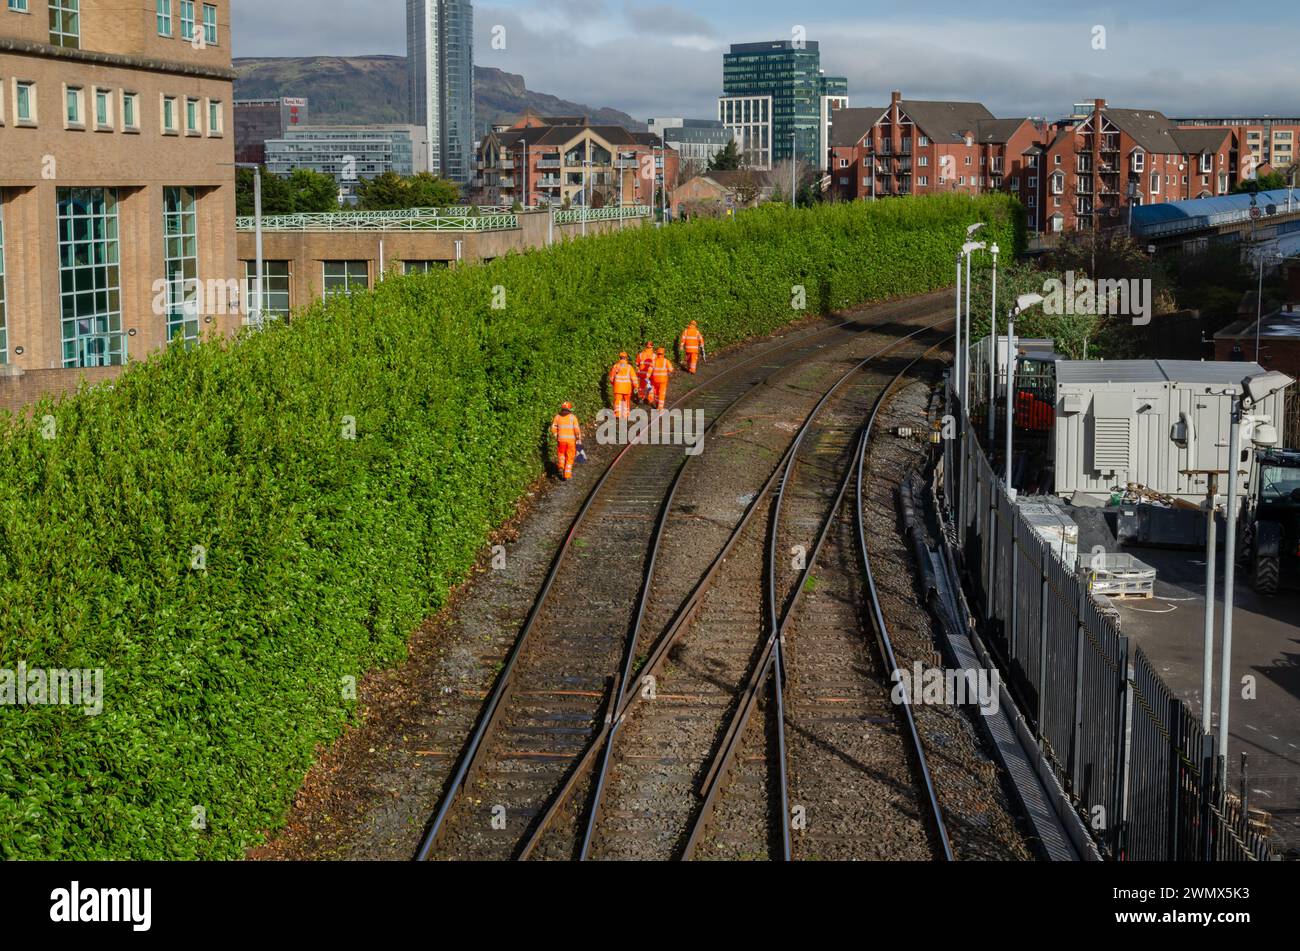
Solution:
(582, 456)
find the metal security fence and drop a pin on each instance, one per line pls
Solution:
(1142, 776)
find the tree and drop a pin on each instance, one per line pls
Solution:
(746, 188)
(1265, 183)
(426, 190)
(302, 192)
(382, 193)
(392, 192)
(727, 159)
(313, 191)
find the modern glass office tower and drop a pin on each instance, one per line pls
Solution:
(771, 90)
(440, 68)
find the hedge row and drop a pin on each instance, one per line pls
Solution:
(206, 533)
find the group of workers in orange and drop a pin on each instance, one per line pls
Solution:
(647, 379)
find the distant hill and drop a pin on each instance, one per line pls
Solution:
(345, 90)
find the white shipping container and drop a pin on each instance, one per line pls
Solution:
(1147, 422)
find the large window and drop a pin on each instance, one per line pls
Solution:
(4, 323)
(422, 267)
(275, 288)
(209, 24)
(343, 277)
(65, 23)
(181, 263)
(187, 19)
(164, 17)
(90, 293)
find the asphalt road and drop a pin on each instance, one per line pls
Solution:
(1265, 647)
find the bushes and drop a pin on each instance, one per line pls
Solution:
(206, 532)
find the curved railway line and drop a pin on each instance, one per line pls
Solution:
(546, 771)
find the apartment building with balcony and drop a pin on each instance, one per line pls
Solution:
(914, 147)
(1260, 143)
(555, 160)
(117, 190)
(1101, 163)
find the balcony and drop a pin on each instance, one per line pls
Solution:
(507, 181)
(548, 163)
(627, 163)
(549, 181)
(506, 165)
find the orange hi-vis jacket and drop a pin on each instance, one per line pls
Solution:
(692, 340)
(566, 428)
(660, 369)
(623, 377)
(645, 359)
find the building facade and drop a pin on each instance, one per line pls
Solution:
(555, 161)
(696, 141)
(257, 120)
(776, 100)
(1101, 164)
(117, 185)
(919, 147)
(440, 65)
(350, 154)
(1262, 142)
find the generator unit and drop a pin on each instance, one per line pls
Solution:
(1150, 423)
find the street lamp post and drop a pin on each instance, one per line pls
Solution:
(968, 249)
(524, 177)
(992, 401)
(255, 316)
(957, 361)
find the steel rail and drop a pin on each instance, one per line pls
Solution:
(771, 657)
(884, 641)
(495, 703)
(604, 740)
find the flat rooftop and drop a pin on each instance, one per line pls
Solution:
(1212, 372)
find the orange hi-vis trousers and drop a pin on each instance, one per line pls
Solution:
(623, 378)
(567, 431)
(659, 374)
(692, 342)
(568, 452)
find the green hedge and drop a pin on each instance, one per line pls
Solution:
(323, 553)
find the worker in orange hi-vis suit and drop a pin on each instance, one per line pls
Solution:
(568, 437)
(644, 360)
(660, 371)
(692, 344)
(623, 380)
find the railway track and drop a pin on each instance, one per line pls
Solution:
(831, 768)
(567, 676)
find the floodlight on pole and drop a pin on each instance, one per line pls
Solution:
(1254, 390)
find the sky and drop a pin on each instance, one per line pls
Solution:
(649, 58)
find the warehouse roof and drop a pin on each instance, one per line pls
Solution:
(1213, 373)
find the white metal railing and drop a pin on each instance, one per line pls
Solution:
(460, 218)
(608, 213)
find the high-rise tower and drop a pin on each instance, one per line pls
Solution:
(440, 68)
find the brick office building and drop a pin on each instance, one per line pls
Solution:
(116, 188)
